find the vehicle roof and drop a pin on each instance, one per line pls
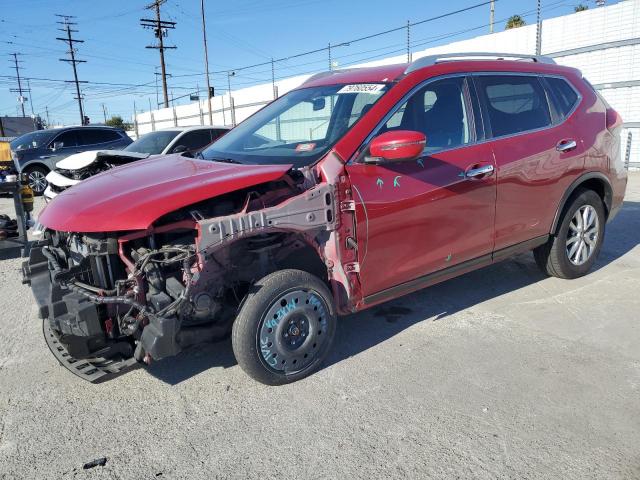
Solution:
(385, 73)
(102, 127)
(390, 73)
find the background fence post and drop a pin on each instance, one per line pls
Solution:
(627, 153)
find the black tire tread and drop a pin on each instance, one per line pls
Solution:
(551, 257)
(246, 324)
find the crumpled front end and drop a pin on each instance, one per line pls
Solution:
(111, 299)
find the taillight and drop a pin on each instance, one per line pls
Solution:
(614, 120)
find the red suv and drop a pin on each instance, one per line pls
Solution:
(358, 187)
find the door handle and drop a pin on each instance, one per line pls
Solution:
(566, 145)
(44, 157)
(479, 172)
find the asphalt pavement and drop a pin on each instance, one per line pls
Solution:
(501, 373)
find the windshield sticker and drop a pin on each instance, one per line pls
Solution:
(373, 88)
(305, 147)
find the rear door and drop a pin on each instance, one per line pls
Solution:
(419, 217)
(537, 154)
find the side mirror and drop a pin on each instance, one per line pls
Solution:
(179, 149)
(318, 104)
(57, 146)
(398, 145)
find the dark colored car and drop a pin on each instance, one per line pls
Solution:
(356, 188)
(37, 153)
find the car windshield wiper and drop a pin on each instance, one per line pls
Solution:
(225, 160)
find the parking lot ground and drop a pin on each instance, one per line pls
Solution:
(502, 373)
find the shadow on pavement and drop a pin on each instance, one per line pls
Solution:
(359, 332)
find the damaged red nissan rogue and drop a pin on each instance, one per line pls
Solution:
(358, 187)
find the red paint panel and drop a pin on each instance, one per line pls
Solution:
(414, 218)
(532, 178)
(133, 196)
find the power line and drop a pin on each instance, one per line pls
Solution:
(69, 40)
(160, 28)
(348, 42)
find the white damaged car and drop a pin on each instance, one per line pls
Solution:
(80, 166)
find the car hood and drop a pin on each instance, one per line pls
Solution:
(133, 196)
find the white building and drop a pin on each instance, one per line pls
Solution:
(603, 42)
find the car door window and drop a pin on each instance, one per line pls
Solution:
(92, 136)
(216, 133)
(514, 103)
(438, 110)
(194, 140)
(67, 139)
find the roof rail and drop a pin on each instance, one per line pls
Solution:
(430, 60)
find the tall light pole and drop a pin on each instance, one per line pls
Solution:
(206, 61)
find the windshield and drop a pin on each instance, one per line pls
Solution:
(298, 128)
(31, 140)
(153, 143)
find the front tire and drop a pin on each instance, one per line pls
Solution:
(36, 176)
(285, 327)
(573, 250)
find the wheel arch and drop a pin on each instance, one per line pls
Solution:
(35, 163)
(596, 181)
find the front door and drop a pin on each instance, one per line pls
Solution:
(421, 216)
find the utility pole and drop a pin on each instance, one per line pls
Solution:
(46, 109)
(30, 97)
(206, 62)
(492, 13)
(231, 103)
(538, 30)
(160, 28)
(19, 90)
(273, 79)
(408, 41)
(330, 60)
(104, 112)
(66, 23)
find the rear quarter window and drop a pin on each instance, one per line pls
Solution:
(564, 95)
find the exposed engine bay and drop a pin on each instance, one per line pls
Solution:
(109, 300)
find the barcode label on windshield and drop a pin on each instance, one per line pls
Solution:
(374, 88)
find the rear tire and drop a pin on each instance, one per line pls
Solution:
(36, 177)
(572, 251)
(285, 327)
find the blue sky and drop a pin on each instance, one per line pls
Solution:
(240, 32)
